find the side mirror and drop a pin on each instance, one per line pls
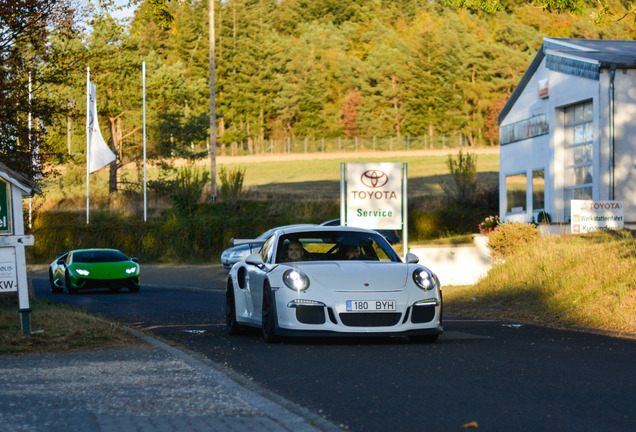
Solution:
(411, 258)
(254, 259)
(135, 260)
(61, 262)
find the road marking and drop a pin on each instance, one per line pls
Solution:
(183, 325)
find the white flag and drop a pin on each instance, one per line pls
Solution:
(99, 154)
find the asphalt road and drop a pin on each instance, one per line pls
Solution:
(494, 375)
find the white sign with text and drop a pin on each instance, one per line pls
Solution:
(8, 272)
(374, 195)
(588, 215)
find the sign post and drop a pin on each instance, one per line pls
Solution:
(373, 196)
(13, 272)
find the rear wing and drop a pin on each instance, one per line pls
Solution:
(251, 242)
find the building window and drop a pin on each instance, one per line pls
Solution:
(538, 190)
(579, 144)
(516, 193)
(524, 129)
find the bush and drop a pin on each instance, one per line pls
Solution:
(172, 236)
(231, 184)
(463, 191)
(424, 225)
(461, 220)
(507, 238)
(188, 189)
(544, 218)
(489, 224)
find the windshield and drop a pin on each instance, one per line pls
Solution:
(99, 256)
(334, 246)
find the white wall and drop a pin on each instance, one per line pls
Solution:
(456, 265)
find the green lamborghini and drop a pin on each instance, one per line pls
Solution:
(84, 269)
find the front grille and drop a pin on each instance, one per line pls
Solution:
(310, 314)
(423, 314)
(108, 283)
(370, 319)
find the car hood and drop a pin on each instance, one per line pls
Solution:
(352, 276)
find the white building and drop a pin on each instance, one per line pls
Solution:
(568, 131)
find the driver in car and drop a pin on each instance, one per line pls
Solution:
(295, 251)
(352, 252)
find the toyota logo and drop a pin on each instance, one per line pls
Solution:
(374, 178)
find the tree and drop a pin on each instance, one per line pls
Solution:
(498, 5)
(385, 74)
(26, 53)
(602, 12)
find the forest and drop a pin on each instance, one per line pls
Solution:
(285, 69)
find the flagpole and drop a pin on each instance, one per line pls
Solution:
(88, 142)
(143, 67)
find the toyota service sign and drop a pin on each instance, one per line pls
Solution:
(588, 215)
(374, 195)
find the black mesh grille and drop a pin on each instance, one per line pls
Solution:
(310, 314)
(108, 283)
(423, 314)
(372, 319)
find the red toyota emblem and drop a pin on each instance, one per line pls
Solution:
(374, 178)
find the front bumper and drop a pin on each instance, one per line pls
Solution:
(86, 283)
(412, 316)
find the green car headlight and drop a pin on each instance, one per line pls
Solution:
(295, 280)
(131, 270)
(83, 272)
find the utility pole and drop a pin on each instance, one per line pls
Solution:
(212, 103)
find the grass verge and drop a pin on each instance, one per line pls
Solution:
(566, 280)
(56, 328)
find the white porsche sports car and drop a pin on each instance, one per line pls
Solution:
(332, 281)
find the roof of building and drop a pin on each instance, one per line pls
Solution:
(579, 57)
(13, 177)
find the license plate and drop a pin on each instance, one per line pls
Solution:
(370, 305)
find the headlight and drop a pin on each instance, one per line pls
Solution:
(131, 270)
(295, 280)
(424, 279)
(83, 272)
(238, 255)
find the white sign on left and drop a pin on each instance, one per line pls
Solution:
(8, 273)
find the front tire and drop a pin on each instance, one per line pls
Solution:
(231, 324)
(54, 288)
(269, 317)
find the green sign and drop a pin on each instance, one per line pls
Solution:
(5, 207)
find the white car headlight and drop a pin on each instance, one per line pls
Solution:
(295, 280)
(131, 270)
(238, 255)
(424, 279)
(83, 272)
